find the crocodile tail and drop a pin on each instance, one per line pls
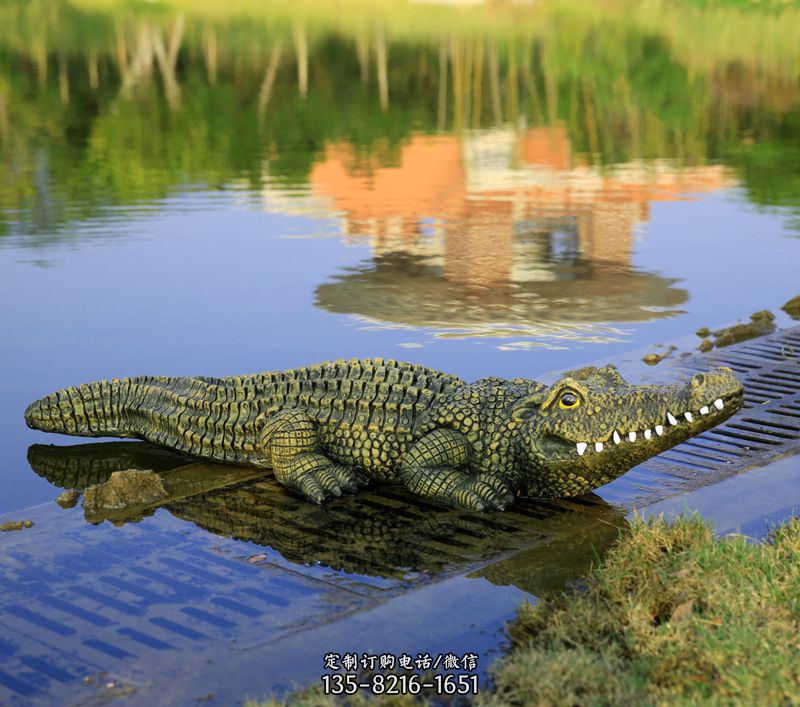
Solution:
(88, 410)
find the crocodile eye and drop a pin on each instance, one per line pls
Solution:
(569, 401)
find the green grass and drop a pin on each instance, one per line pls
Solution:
(674, 615)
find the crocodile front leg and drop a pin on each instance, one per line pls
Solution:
(290, 439)
(431, 468)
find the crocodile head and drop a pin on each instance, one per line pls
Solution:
(581, 433)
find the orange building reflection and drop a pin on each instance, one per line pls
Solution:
(480, 193)
(500, 234)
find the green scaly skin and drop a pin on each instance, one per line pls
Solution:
(332, 428)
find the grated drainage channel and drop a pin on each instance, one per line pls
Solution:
(227, 589)
(767, 426)
(248, 574)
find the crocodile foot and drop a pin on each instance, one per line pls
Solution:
(327, 481)
(487, 492)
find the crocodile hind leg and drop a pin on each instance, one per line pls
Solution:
(431, 468)
(290, 439)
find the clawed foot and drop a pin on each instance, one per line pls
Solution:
(329, 481)
(487, 492)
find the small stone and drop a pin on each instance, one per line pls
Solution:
(703, 332)
(68, 499)
(11, 525)
(653, 358)
(706, 345)
(792, 307)
(124, 489)
(763, 315)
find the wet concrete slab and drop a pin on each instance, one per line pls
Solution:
(750, 503)
(243, 589)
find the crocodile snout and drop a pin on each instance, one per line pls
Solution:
(711, 388)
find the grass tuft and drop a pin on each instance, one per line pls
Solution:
(673, 614)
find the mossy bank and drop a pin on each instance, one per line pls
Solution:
(674, 615)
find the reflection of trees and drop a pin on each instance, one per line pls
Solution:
(386, 533)
(120, 108)
(769, 166)
(151, 49)
(559, 296)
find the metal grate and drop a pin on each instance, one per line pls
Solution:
(78, 601)
(145, 600)
(767, 426)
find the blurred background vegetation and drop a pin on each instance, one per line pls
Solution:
(105, 103)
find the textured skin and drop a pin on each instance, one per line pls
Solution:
(332, 428)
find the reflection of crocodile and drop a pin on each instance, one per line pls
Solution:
(403, 289)
(387, 535)
(330, 428)
(84, 465)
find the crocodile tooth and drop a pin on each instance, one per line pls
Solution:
(617, 438)
(648, 434)
(598, 446)
(672, 419)
(632, 436)
(688, 416)
(659, 430)
(581, 448)
(719, 404)
(704, 410)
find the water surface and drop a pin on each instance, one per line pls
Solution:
(490, 193)
(504, 190)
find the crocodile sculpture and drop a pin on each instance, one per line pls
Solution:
(331, 428)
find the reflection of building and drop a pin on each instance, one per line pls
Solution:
(563, 305)
(499, 232)
(492, 188)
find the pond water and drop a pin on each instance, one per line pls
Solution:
(489, 191)
(185, 194)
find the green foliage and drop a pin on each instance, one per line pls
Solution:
(755, 5)
(770, 164)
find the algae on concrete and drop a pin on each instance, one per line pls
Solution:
(761, 323)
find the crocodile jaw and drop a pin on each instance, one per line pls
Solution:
(563, 466)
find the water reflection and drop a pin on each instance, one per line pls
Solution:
(104, 107)
(384, 533)
(572, 301)
(501, 233)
